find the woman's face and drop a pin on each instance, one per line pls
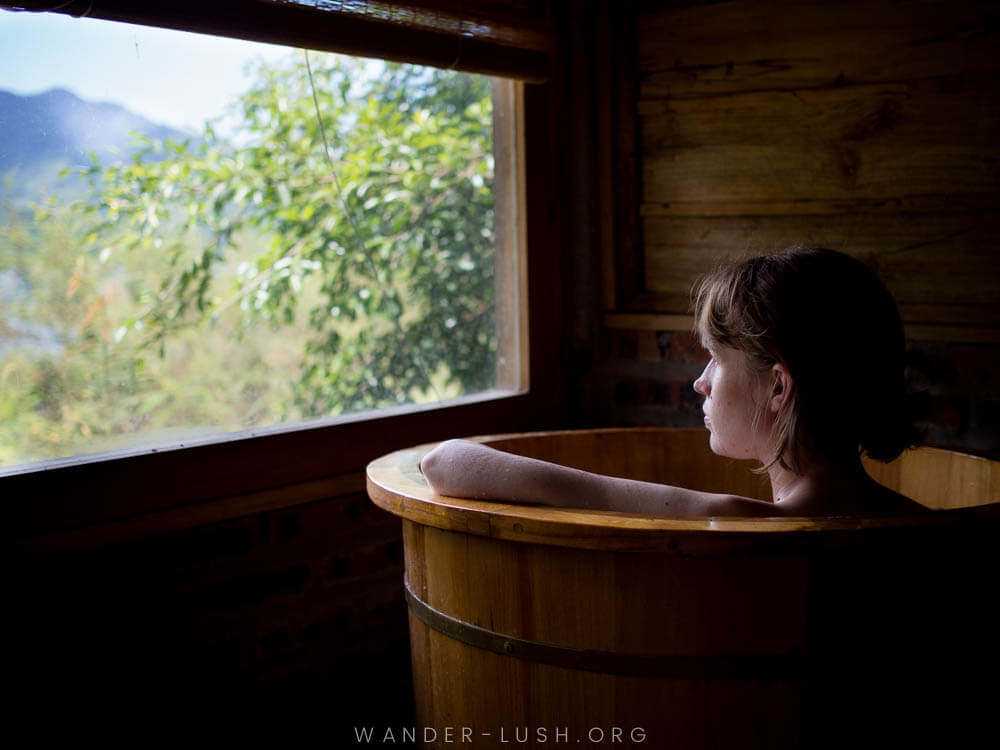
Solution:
(732, 393)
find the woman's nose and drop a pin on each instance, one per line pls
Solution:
(701, 384)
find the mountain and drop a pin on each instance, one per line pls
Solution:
(43, 133)
(60, 125)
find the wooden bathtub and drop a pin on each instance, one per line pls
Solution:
(535, 626)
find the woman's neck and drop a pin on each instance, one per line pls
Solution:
(820, 482)
(827, 487)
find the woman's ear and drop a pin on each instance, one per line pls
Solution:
(781, 387)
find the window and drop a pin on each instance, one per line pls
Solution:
(291, 280)
(316, 242)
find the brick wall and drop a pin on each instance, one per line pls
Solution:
(645, 378)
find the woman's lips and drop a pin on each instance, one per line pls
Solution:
(708, 422)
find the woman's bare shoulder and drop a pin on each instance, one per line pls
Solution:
(738, 506)
(869, 500)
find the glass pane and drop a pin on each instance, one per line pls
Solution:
(202, 235)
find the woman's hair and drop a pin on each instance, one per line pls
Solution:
(828, 319)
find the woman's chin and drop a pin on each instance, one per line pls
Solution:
(713, 444)
(719, 448)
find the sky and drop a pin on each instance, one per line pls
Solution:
(156, 73)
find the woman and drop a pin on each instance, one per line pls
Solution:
(805, 375)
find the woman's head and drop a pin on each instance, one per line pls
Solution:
(822, 353)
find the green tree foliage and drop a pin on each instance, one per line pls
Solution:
(72, 382)
(366, 190)
(297, 267)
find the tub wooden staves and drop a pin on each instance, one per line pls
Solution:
(541, 626)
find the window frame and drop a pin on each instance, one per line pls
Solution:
(289, 464)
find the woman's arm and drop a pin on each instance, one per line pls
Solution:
(461, 468)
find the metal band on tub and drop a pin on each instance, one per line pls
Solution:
(782, 666)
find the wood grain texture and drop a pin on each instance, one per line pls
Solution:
(940, 268)
(582, 599)
(915, 332)
(869, 143)
(864, 126)
(940, 478)
(725, 48)
(681, 457)
(866, 616)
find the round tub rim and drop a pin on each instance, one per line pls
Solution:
(395, 484)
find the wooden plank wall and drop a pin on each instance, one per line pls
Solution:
(279, 609)
(744, 126)
(868, 126)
